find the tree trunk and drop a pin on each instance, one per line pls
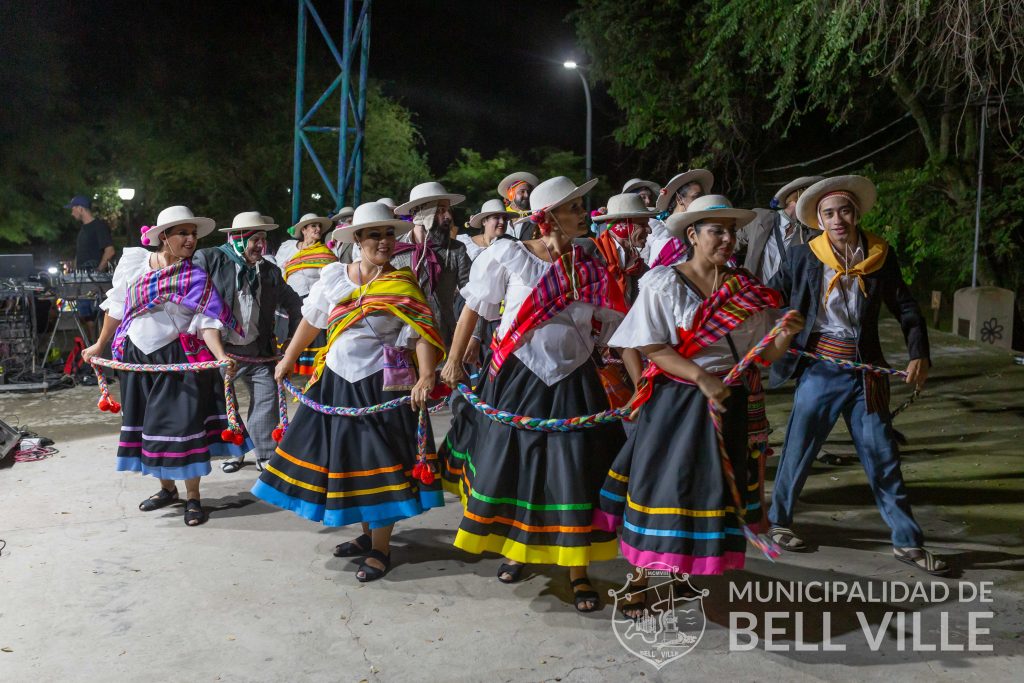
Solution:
(910, 100)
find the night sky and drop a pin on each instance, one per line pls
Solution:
(484, 75)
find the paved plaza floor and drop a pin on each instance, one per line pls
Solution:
(92, 589)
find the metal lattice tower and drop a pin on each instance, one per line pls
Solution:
(353, 57)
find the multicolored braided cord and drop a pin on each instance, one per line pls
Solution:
(422, 470)
(542, 424)
(767, 547)
(848, 364)
(232, 434)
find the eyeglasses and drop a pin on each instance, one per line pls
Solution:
(377, 236)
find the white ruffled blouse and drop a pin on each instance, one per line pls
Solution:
(472, 248)
(508, 271)
(359, 351)
(160, 325)
(666, 304)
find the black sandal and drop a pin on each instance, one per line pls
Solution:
(581, 597)
(513, 570)
(371, 573)
(158, 500)
(194, 513)
(354, 548)
(231, 466)
(638, 603)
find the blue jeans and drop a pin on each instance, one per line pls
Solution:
(823, 393)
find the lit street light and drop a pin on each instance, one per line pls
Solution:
(127, 194)
(573, 66)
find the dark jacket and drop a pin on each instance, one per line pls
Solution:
(274, 293)
(752, 238)
(455, 265)
(800, 282)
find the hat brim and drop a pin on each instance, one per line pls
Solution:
(407, 208)
(347, 233)
(254, 228)
(611, 217)
(515, 178)
(636, 185)
(793, 186)
(204, 226)
(857, 185)
(476, 220)
(325, 224)
(578, 192)
(699, 175)
(677, 223)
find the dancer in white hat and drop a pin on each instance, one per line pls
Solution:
(255, 289)
(529, 495)
(343, 470)
(765, 241)
(668, 487)
(441, 263)
(647, 190)
(301, 260)
(665, 249)
(163, 309)
(514, 190)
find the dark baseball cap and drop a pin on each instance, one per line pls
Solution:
(79, 200)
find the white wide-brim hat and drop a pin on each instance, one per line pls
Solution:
(634, 184)
(623, 207)
(310, 219)
(172, 216)
(530, 179)
(492, 207)
(857, 185)
(388, 202)
(556, 191)
(344, 213)
(370, 215)
(800, 183)
(701, 176)
(427, 193)
(251, 220)
(710, 206)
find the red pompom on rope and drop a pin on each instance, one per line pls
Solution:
(238, 439)
(227, 436)
(115, 407)
(277, 435)
(417, 470)
(427, 476)
(104, 404)
(440, 390)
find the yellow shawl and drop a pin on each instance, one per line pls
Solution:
(878, 249)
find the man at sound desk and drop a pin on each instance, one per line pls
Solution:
(94, 251)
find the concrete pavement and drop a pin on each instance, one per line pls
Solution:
(92, 589)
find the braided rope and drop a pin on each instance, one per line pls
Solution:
(232, 434)
(539, 424)
(767, 547)
(848, 364)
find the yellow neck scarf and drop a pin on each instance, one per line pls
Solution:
(878, 249)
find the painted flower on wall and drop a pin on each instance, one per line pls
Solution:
(991, 331)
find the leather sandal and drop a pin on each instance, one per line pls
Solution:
(160, 499)
(194, 513)
(580, 598)
(787, 540)
(368, 572)
(919, 558)
(355, 548)
(231, 466)
(514, 572)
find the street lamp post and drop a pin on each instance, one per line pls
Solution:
(126, 194)
(586, 91)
